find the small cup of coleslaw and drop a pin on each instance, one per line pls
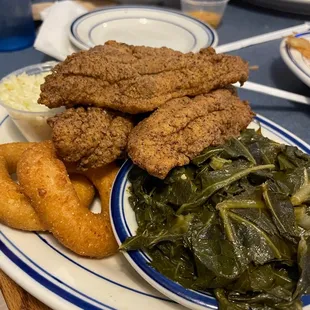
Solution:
(19, 93)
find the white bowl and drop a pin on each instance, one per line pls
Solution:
(32, 125)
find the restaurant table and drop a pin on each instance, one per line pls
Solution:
(241, 21)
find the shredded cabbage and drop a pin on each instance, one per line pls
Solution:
(22, 92)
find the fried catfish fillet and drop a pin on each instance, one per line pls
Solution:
(181, 128)
(90, 137)
(137, 79)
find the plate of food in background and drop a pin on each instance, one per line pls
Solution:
(138, 25)
(295, 51)
(117, 100)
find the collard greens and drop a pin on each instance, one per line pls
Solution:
(233, 222)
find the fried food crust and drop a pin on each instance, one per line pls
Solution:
(90, 137)
(16, 210)
(137, 79)
(43, 178)
(180, 129)
(84, 189)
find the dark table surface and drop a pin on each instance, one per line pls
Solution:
(241, 20)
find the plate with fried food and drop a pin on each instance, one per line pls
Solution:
(64, 240)
(295, 51)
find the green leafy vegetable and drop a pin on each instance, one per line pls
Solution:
(303, 285)
(302, 215)
(303, 193)
(296, 156)
(284, 162)
(206, 154)
(225, 304)
(235, 149)
(222, 258)
(234, 222)
(202, 196)
(262, 149)
(172, 234)
(218, 163)
(282, 211)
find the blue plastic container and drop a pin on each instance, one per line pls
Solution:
(16, 25)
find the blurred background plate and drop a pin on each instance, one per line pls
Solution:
(297, 63)
(291, 6)
(138, 25)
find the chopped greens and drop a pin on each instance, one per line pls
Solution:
(234, 222)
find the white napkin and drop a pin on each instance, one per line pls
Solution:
(53, 36)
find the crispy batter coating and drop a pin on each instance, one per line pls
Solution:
(44, 179)
(16, 210)
(137, 79)
(180, 129)
(90, 137)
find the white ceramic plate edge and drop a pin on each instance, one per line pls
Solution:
(291, 63)
(28, 284)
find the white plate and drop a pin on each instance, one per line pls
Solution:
(291, 6)
(65, 281)
(299, 64)
(147, 26)
(125, 225)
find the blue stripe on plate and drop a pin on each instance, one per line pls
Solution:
(4, 120)
(282, 134)
(98, 275)
(136, 17)
(77, 21)
(45, 282)
(141, 260)
(289, 53)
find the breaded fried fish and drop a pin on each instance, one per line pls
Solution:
(90, 137)
(181, 128)
(137, 79)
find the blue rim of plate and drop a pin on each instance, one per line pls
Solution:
(210, 32)
(135, 17)
(289, 53)
(140, 260)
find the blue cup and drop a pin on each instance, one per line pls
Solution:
(16, 25)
